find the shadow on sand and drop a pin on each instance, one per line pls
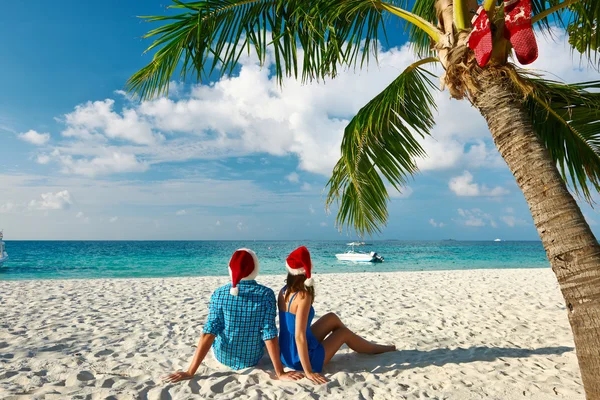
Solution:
(375, 364)
(407, 359)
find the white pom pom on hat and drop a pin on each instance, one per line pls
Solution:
(243, 266)
(299, 263)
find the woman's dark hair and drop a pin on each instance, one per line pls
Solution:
(295, 283)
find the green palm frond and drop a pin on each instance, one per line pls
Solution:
(308, 38)
(544, 11)
(583, 28)
(583, 40)
(579, 17)
(381, 140)
(567, 118)
(420, 41)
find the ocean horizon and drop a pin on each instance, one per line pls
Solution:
(91, 259)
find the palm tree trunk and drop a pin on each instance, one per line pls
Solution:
(570, 245)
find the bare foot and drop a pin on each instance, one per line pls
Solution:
(384, 349)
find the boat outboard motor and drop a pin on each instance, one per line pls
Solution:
(377, 257)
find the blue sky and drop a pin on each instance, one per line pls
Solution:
(232, 159)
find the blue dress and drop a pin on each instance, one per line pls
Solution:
(287, 341)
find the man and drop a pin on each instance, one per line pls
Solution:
(241, 322)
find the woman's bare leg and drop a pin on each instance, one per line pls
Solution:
(330, 323)
(325, 325)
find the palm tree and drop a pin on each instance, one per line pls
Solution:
(547, 132)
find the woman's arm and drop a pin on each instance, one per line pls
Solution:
(304, 303)
(206, 341)
(275, 354)
(281, 301)
(269, 335)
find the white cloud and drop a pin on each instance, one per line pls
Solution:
(311, 209)
(513, 221)
(463, 185)
(476, 218)
(306, 187)
(557, 58)
(181, 212)
(97, 120)
(6, 207)
(80, 214)
(112, 220)
(509, 210)
(303, 119)
(474, 222)
(293, 177)
(441, 153)
(481, 154)
(242, 160)
(122, 93)
(405, 192)
(240, 226)
(43, 159)
(52, 201)
(152, 200)
(218, 223)
(509, 220)
(224, 119)
(35, 138)
(323, 224)
(112, 161)
(435, 224)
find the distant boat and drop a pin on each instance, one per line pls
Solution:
(358, 256)
(497, 240)
(3, 253)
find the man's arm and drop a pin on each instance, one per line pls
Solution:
(274, 353)
(214, 325)
(204, 344)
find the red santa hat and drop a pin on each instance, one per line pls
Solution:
(243, 266)
(299, 263)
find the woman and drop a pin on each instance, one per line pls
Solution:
(305, 347)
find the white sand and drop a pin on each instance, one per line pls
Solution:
(494, 334)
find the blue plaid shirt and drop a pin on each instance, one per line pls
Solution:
(241, 323)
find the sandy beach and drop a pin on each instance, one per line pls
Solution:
(495, 334)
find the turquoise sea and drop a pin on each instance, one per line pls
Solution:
(124, 259)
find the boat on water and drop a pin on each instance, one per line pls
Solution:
(497, 240)
(3, 253)
(359, 256)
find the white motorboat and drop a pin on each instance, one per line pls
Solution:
(497, 240)
(3, 253)
(359, 256)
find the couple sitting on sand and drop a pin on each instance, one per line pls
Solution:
(242, 316)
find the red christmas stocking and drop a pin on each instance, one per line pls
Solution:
(480, 39)
(518, 29)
